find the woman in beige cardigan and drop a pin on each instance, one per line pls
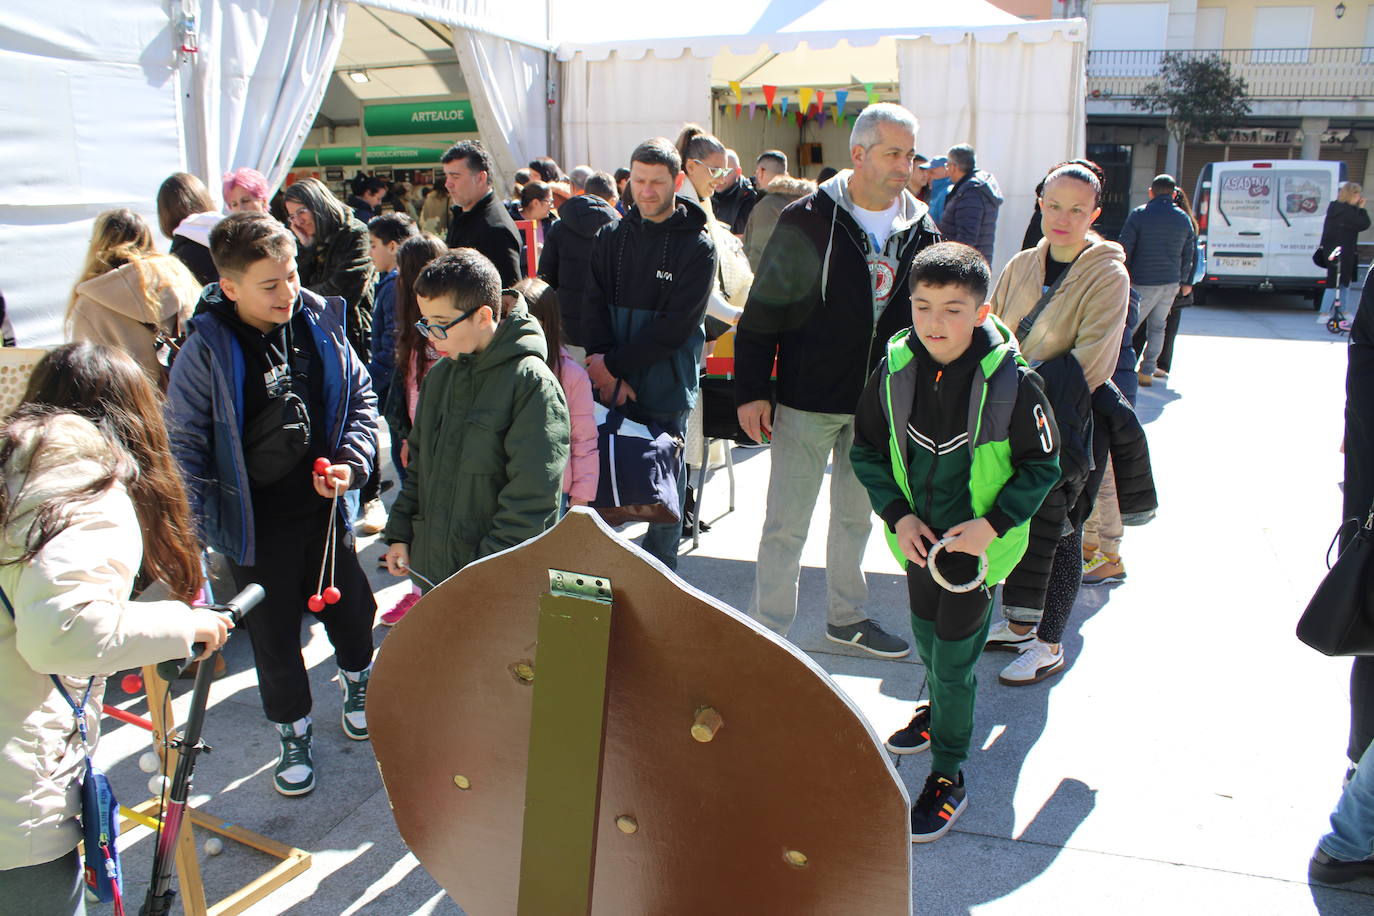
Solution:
(1085, 316)
(130, 296)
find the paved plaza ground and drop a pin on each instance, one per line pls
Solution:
(1186, 761)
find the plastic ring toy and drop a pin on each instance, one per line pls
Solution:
(944, 583)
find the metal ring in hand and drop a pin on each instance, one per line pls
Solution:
(944, 583)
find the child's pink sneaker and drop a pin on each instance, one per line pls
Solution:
(393, 616)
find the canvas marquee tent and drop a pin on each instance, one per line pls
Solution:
(110, 99)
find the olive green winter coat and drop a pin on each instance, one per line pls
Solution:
(486, 453)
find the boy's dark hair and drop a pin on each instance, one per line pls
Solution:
(467, 276)
(658, 151)
(393, 227)
(471, 152)
(546, 168)
(602, 185)
(621, 174)
(240, 240)
(1163, 184)
(952, 264)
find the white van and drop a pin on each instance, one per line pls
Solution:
(1259, 222)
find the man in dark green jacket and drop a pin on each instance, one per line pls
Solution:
(491, 430)
(955, 440)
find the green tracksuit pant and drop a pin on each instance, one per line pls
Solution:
(950, 631)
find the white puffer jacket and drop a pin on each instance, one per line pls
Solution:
(73, 618)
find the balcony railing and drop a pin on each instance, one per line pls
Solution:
(1332, 74)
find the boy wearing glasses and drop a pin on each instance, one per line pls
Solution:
(267, 385)
(491, 430)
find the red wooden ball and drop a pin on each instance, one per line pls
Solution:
(132, 683)
(332, 595)
(316, 603)
(322, 466)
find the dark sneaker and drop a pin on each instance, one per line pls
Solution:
(295, 772)
(915, 737)
(1330, 870)
(940, 804)
(354, 717)
(867, 635)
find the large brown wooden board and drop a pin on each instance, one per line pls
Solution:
(793, 767)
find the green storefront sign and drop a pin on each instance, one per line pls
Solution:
(446, 117)
(376, 155)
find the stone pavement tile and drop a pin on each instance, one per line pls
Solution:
(966, 873)
(361, 866)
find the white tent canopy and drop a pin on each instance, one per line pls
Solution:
(971, 73)
(108, 103)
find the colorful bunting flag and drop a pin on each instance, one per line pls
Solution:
(734, 87)
(768, 93)
(841, 96)
(806, 95)
(872, 96)
(784, 106)
(738, 106)
(752, 106)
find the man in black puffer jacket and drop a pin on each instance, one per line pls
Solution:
(479, 220)
(566, 259)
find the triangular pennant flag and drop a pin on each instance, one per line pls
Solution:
(872, 96)
(752, 106)
(841, 96)
(734, 87)
(805, 103)
(768, 93)
(820, 115)
(784, 106)
(738, 106)
(820, 98)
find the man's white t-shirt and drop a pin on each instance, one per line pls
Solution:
(878, 223)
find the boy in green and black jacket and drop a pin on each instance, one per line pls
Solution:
(955, 439)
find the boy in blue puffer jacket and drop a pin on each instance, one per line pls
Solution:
(265, 385)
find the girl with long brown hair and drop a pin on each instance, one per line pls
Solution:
(90, 496)
(414, 357)
(129, 295)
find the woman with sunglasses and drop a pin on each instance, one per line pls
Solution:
(703, 161)
(491, 433)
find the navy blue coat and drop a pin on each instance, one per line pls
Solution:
(970, 212)
(1160, 244)
(205, 420)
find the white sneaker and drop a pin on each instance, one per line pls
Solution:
(1033, 665)
(1002, 636)
(374, 517)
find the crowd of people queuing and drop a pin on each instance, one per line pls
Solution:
(986, 420)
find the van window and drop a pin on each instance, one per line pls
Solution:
(1304, 193)
(1298, 193)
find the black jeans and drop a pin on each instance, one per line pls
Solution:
(288, 568)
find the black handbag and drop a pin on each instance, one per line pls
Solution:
(1339, 620)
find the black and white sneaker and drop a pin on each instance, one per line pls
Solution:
(940, 804)
(867, 635)
(915, 736)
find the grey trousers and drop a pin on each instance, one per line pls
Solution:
(803, 444)
(53, 888)
(1155, 303)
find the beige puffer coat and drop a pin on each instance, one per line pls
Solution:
(74, 619)
(128, 306)
(1087, 315)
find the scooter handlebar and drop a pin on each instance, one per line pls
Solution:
(236, 608)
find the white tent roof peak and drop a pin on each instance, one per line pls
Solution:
(596, 28)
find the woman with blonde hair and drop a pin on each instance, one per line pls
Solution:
(130, 296)
(1345, 220)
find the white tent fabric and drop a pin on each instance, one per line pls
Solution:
(507, 83)
(1019, 104)
(610, 106)
(523, 21)
(82, 93)
(256, 83)
(601, 27)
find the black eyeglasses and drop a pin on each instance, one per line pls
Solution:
(439, 331)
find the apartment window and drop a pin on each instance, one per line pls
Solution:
(1128, 26)
(1211, 28)
(1282, 34)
